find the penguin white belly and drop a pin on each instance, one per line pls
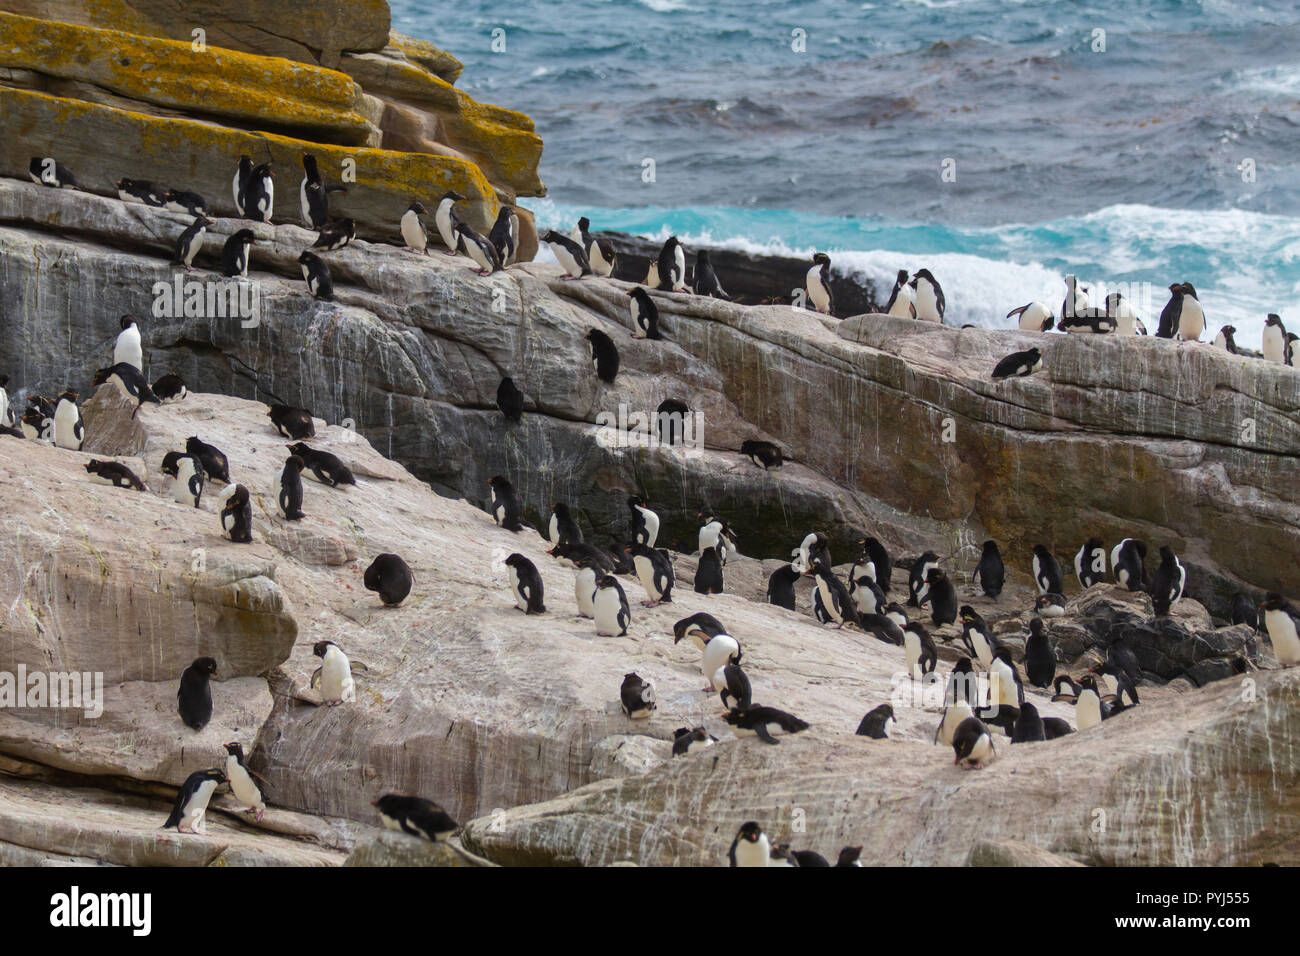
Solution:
(127, 349)
(1191, 321)
(243, 787)
(1032, 319)
(584, 592)
(66, 421)
(597, 260)
(952, 718)
(442, 219)
(234, 193)
(606, 611)
(927, 305)
(912, 654)
(904, 305)
(553, 531)
(193, 817)
(475, 253)
(645, 573)
(982, 754)
(1125, 324)
(717, 653)
(1274, 345)
(651, 526)
(1002, 686)
(709, 535)
(413, 233)
(336, 684)
(817, 292)
(828, 600)
(498, 509)
(1282, 632)
(521, 602)
(758, 853)
(304, 204)
(566, 261)
(1087, 710)
(982, 649)
(4, 406)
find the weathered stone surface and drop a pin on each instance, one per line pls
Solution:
(311, 33)
(401, 849)
(149, 74)
(1205, 778)
(38, 820)
(424, 113)
(194, 155)
(1013, 853)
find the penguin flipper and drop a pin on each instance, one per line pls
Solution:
(763, 735)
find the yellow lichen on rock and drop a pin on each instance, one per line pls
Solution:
(259, 92)
(101, 144)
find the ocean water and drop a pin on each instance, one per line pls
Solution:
(1134, 145)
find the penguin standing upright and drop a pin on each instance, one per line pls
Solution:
(317, 274)
(504, 236)
(832, 603)
(930, 303)
(584, 587)
(1191, 317)
(1169, 315)
(1168, 582)
(916, 585)
(335, 674)
(242, 784)
(390, 577)
(1087, 706)
(259, 195)
(942, 597)
(655, 571)
(670, 266)
(290, 498)
(414, 234)
(977, 637)
(239, 185)
(600, 252)
(1127, 321)
(708, 576)
(563, 529)
(1076, 301)
(478, 248)
(510, 400)
(1029, 725)
(187, 488)
(990, 573)
(503, 505)
(705, 279)
(612, 612)
(604, 355)
(1274, 341)
(645, 314)
(919, 652)
(751, 846)
(525, 584)
(237, 516)
(1282, 622)
(194, 696)
(1128, 564)
(68, 429)
(1047, 571)
(127, 348)
(313, 194)
(445, 219)
(780, 587)
(1090, 563)
(235, 254)
(190, 242)
(818, 284)
(1040, 659)
(645, 523)
(902, 302)
(191, 806)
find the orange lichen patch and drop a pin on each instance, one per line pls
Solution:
(101, 143)
(257, 91)
(422, 53)
(501, 141)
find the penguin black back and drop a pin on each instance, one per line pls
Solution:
(604, 354)
(295, 423)
(291, 488)
(390, 577)
(990, 572)
(194, 698)
(780, 587)
(328, 468)
(510, 400)
(214, 462)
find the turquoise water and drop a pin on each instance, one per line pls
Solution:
(1123, 164)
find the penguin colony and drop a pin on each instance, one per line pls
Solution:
(976, 728)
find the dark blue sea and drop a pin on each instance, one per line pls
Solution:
(1128, 143)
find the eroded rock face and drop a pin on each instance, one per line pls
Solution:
(906, 803)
